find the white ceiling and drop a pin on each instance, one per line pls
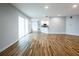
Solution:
(38, 10)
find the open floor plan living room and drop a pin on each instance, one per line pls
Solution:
(39, 29)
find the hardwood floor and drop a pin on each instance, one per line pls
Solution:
(39, 44)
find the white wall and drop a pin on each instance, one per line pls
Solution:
(8, 25)
(72, 25)
(57, 25)
(30, 26)
(64, 25)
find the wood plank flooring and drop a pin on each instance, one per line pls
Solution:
(40, 44)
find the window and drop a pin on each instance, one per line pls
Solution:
(26, 26)
(22, 26)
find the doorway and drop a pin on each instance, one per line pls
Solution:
(35, 26)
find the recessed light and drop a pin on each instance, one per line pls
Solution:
(74, 6)
(46, 7)
(58, 15)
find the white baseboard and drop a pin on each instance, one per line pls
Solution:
(64, 33)
(72, 34)
(57, 33)
(7, 46)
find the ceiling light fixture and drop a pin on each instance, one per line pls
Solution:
(46, 7)
(58, 15)
(74, 6)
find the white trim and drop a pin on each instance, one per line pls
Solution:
(72, 34)
(56, 33)
(7, 46)
(64, 33)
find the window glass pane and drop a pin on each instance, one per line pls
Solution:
(20, 27)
